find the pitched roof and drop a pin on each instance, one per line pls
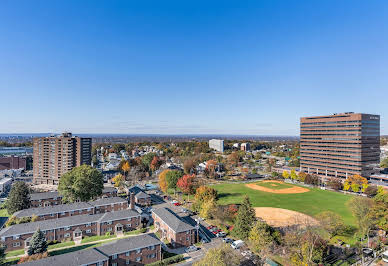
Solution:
(142, 195)
(172, 220)
(128, 244)
(67, 207)
(44, 195)
(20, 229)
(53, 209)
(109, 189)
(81, 257)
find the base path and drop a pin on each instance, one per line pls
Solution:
(291, 190)
(281, 217)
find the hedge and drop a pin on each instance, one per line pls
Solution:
(168, 261)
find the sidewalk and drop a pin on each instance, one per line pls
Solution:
(90, 243)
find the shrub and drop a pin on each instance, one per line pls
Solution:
(108, 233)
(168, 261)
(33, 257)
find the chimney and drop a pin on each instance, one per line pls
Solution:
(132, 201)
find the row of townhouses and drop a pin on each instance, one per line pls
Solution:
(137, 250)
(71, 228)
(44, 199)
(79, 208)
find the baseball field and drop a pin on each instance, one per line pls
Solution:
(277, 194)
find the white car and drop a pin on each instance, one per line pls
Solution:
(190, 249)
(174, 201)
(221, 234)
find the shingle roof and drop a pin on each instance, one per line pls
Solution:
(20, 229)
(172, 220)
(128, 244)
(67, 207)
(142, 195)
(53, 209)
(44, 195)
(109, 189)
(81, 257)
(106, 201)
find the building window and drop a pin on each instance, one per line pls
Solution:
(16, 244)
(88, 231)
(114, 256)
(152, 247)
(127, 254)
(114, 264)
(138, 259)
(67, 235)
(127, 262)
(138, 251)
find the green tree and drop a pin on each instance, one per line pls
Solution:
(81, 183)
(19, 197)
(220, 256)
(379, 212)
(38, 243)
(147, 159)
(360, 207)
(172, 178)
(244, 219)
(260, 238)
(384, 163)
(2, 254)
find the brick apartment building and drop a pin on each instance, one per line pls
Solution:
(79, 208)
(12, 162)
(44, 199)
(137, 250)
(340, 145)
(56, 155)
(178, 232)
(71, 228)
(140, 196)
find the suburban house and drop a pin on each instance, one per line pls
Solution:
(141, 197)
(43, 199)
(137, 250)
(178, 232)
(18, 236)
(79, 208)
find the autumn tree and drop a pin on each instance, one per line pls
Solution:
(245, 218)
(331, 222)
(286, 174)
(260, 238)
(356, 183)
(293, 174)
(189, 165)
(220, 256)
(147, 159)
(204, 194)
(210, 170)
(155, 163)
(125, 167)
(119, 181)
(234, 158)
(311, 180)
(208, 208)
(335, 183)
(360, 207)
(162, 181)
(186, 184)
(302, 176)
(379, 212)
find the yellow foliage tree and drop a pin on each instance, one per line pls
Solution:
(119, 181)
(294, 176)
(162, 180)
(126, 167)
(286, 174)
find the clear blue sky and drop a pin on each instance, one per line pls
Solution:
(223, 67)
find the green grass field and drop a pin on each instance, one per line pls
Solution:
(310, 203)
(274, 185)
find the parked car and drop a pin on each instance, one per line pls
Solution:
(237, 244)
(174, 201)
(204, 241)
(190, 249)
(209, 227)
(227, 240)
(177, 204)
(221, 234)
(247, 254)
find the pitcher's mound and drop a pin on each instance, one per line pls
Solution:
(277, 217)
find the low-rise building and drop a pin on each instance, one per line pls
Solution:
(5, 184)
(178, 232)
(142, 199)
(137, 250)
(79, 208)
(43, 199)
(69, 228)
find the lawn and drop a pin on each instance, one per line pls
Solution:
(4, 213)
(274, 185)
(310, 203)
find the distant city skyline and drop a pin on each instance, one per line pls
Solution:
(181, 67)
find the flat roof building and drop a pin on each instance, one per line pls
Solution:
(340, 145)
(217, 144)
(56, 155)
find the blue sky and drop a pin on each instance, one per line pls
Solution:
(169, 67)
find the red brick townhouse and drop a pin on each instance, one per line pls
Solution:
(18, 236)
(43, 199)
(142, 199)
(64, 210)
(137, 250)
(178, 232)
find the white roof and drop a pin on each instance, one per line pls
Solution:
(5, 180)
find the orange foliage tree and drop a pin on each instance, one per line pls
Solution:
(186, 184)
